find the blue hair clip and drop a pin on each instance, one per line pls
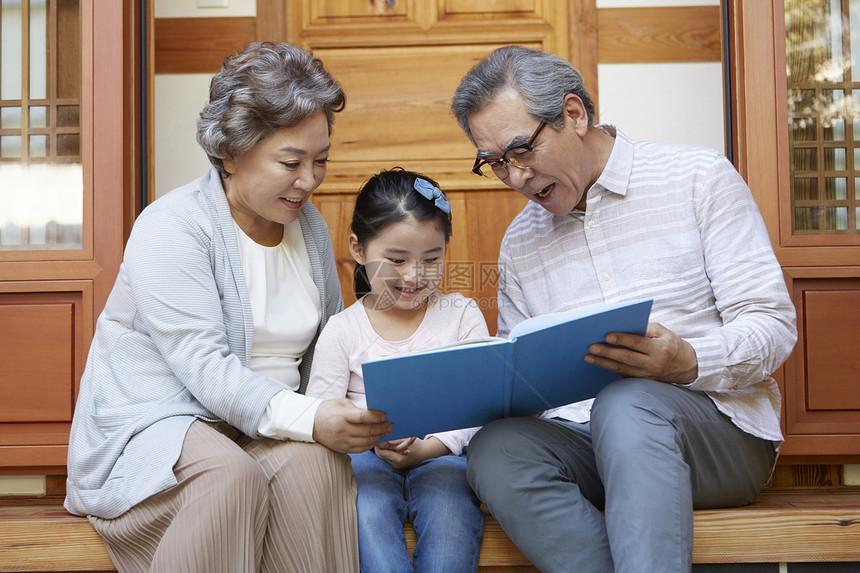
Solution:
(428, 191)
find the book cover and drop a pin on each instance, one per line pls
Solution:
(473, 382)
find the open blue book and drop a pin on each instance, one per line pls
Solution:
(473, 382)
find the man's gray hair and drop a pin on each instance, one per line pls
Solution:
(541, 79)
(266, 87)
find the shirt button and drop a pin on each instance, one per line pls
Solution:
(591, 224)
(606, 276)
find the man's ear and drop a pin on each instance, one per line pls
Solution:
(575, 110)
(355, 249)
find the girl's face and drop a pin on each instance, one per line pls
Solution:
(404, 264)
(270, 183)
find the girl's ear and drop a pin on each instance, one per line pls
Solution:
(355, 249)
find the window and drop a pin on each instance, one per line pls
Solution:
(41, 194)
(823, 69)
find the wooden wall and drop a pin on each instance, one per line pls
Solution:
(608, 35)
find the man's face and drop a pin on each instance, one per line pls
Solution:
(564, 168)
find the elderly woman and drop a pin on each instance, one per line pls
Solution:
(193, 447)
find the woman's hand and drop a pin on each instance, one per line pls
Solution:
(343, 427)
(405, 458)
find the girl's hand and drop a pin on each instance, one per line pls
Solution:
(419, 451)
(343, 427)
(401, 446)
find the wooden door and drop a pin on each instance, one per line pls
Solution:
(399, 62)
(795, 68)
(63, 176)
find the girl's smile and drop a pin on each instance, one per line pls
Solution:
(409, 292)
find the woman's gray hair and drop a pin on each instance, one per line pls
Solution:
(266, 87)
(541, 79)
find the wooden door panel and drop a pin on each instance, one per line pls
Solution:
(397, 113)
(36, 352)
(363, 23)
(45, 335)
(831, 325)
(821, 394)
(335, 11)
(490, 8)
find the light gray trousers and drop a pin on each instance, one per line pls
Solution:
(651, 454)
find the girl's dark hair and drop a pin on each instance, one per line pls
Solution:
(386, 198)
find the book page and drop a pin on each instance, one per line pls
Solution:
(481, 340)
(540, 322)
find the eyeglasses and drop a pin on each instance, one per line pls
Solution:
(521, 156)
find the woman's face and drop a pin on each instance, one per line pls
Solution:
(269, 184)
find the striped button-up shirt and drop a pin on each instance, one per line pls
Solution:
(677, 224)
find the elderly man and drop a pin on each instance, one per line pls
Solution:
(693, 420)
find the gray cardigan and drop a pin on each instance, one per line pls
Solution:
(172, 345)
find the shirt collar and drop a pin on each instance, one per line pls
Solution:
(616, 174)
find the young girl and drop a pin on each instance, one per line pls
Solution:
(400, 229)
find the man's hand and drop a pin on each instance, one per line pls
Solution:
(418, 451)
(342, 427)
(659, 355)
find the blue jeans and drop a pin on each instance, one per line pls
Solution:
(435, 496)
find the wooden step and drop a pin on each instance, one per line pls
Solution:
(817, 525)
(782, 525)
(43, 536)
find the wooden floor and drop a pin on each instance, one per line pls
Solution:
(782, 525)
